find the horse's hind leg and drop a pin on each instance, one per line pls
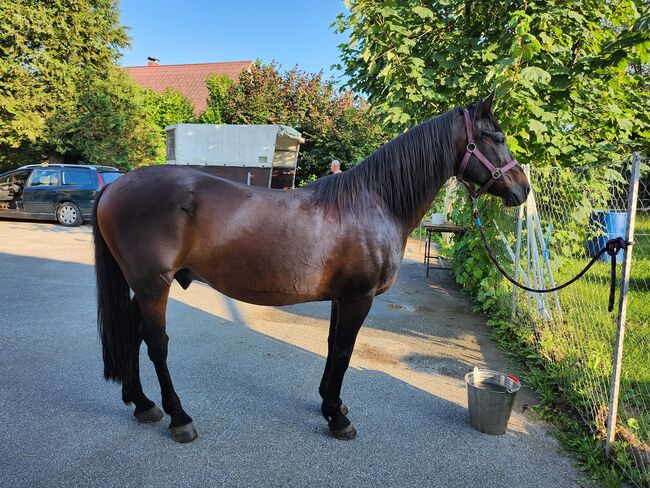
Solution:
(145, 410)
(153, 309)
(351, 314)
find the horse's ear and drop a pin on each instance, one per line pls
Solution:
(485, 106)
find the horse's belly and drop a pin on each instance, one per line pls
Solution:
(265, 283)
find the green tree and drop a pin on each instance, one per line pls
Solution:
(334, 125)
(168, 108)
(163, 109)
(45, 50)
(218, 86)
(62, 96)
(109, 124)
(260, 97)
(564, 70)
(569, 77)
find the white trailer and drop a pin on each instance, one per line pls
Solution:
(260, 155)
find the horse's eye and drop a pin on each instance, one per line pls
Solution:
(499, 138)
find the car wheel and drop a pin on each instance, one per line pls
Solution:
(68, 214)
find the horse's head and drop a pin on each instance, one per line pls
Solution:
(486, 159)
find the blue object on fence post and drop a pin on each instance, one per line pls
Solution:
(545, 254)
(604, 226)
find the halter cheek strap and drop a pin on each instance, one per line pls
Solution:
(475, 151)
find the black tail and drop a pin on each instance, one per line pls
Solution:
(118, 317)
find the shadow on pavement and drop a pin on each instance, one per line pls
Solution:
(253, 398)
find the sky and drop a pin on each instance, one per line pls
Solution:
(292, 32)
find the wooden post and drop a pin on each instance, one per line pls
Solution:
(511, 254)
(540, 237)
(520, 218)
(622, 306)
(529, 266)
(538, 275)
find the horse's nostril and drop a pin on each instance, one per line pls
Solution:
(527, 189)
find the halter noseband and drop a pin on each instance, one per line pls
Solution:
(473, 150)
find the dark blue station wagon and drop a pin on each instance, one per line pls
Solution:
(62, 192)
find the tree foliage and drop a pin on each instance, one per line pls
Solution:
(46, 49)
(163, 109)
(108, 124)
(218, 86)
(570, 88)
(62, 96)
(335, 125)
(168, 108)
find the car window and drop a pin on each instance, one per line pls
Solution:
(20, 178)
(45, 177)
(110, 177)
(77, 178)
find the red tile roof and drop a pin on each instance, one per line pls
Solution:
(189, 79)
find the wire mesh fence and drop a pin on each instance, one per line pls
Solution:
(571, 214)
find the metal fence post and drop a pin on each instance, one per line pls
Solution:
(622, 306)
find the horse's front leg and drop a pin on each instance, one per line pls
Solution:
(351, 314)
(330, 348)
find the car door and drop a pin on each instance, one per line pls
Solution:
(80, 187)
(40, 193)
(20, 181)
(6, 191)
(12, 187)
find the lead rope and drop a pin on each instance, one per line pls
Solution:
(612, 247)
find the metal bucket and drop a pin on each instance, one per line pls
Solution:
(490, 396)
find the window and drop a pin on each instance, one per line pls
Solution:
(110, 177)
(20, 178)
(77, 178)
(45, 177)
(17, 179)
(171, 145)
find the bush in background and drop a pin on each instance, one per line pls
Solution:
(334, 125)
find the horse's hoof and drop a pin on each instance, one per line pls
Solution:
(184, 433)
(345, 434)
(344, 409)
(154, 414)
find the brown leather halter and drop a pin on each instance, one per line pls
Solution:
(473, 150)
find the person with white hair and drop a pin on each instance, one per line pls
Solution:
(335, 166)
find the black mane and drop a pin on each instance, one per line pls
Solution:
(403, 173)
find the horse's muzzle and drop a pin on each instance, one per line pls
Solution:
(517, 196)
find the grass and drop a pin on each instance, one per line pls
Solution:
(548, 379)
(575, 356)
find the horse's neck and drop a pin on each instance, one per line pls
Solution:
(423, 207)
(429, 168)
(430, 187)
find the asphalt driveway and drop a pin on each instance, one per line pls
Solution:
(249, 377)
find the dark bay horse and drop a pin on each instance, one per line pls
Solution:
(341, 239)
